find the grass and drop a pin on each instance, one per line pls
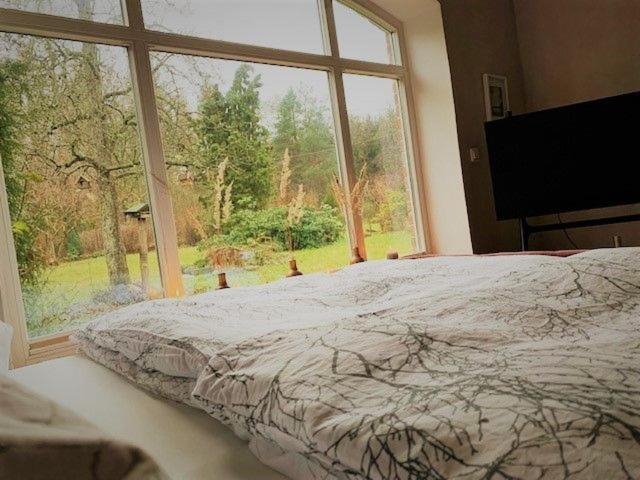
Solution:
(72, 283)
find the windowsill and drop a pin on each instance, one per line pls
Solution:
(52, 346)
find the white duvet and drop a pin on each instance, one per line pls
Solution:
(177, 337)
(460, 367)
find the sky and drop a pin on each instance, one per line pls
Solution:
(284, 24)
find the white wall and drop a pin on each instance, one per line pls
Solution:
(433, 92)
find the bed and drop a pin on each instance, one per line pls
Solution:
(452, 367)
(186, 443)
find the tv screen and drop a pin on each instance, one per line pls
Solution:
(571, 158)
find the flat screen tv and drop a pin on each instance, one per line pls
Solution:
(571, 158)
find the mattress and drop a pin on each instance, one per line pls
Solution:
(452, 367)
(186, 443)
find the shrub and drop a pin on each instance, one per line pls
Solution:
(74, 245)
(221, 257)
(92, 245)
(317, 227)
(30, 261)
(391, 213)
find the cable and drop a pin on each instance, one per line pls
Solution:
(566, 234)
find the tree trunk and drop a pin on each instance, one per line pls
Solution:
(144, 254)
(115, 252)
(110, 213)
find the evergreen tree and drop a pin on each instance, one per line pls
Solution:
(228, 126)
(12, 87)
(288, 123)
(366, 136)
(302, 128)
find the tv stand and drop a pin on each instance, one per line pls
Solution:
(527, 229)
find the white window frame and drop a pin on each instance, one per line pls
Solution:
(139, 43)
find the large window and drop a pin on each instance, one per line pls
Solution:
(75, 184)
(251, 156)
(379, 151)
(175, 141)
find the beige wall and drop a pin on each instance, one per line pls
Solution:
(578, 50)
(555, 52)
(432, 89)
(482, 38)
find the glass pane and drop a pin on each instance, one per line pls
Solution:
(359, 38)
(381, 162)
(77, 194)
(251, 156)
(283, 24)
(105, 11)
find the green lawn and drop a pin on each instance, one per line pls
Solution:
(90, 274)
(71, 284)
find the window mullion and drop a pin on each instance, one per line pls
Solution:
(412, 142)
(11, 304)
(159, 195)
(133, 14)
(415, 169)
(343, 133)
(345, 152)
(329, 27)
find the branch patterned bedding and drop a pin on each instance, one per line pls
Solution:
(458, 367)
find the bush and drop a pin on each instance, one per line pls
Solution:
(30, 263)
(317, 227)
(391, 211)
(92, 245)
(74, 245)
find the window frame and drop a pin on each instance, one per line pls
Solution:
(139, 42)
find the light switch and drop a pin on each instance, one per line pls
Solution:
(474, 154)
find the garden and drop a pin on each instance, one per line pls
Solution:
(251, 163)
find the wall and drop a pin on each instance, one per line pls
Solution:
(482, 38)
(578, 50)
(436, 119)
(554, 53)
(574, 51)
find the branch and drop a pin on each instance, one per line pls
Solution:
(116, 93)
(126, 174)
(77, 157)
(179, 164)
(126, 91)
(121, 167)
(67, 123)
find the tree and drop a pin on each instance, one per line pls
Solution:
(302, 128)
(378, 143)
(228, 126)
(367, 146)
(12, 87)
(288, 125)
(78, 120)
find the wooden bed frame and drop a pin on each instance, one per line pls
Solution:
(547, 253)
